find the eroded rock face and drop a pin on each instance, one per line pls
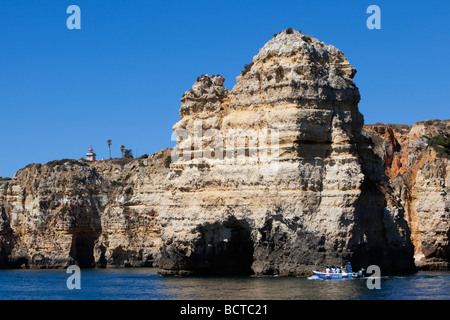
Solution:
(272, 177)
(277, 178)
(99, 214)
(420, 179)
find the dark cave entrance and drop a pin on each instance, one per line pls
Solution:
(224, 249)
(83, 249)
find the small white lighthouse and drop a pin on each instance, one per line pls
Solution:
(90, 156)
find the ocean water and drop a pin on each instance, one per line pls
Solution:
(145, 284)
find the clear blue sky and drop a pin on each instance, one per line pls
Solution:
(122, 75)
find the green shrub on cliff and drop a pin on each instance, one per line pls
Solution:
(306, 38)
(279, 72)
(441, 144)
(127, 154)
(115, 183)
(63, 210)
(167, 162)
(5, 179)
(247, 68)
(61, 162)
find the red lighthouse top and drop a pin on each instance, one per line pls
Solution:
(90, 156)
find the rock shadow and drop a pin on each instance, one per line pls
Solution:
(83, 249)
(380, 237)
(223, 248)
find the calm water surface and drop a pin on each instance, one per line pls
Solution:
(145, 284)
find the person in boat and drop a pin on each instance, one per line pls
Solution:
(327, 270)
(349, 268)
(333, 269)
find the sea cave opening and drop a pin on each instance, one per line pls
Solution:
(83, 249)
(224, 249)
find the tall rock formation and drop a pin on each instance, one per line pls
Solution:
(275, 177)
(420, 179)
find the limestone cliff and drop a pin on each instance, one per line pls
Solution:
(420, 179)
(276, 176)
(100, 213)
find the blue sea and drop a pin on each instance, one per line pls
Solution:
(146, 284)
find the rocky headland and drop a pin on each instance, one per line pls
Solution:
(278, 176)
(418, 168)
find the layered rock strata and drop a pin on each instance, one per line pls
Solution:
(420, 179)
(274, 177)
(99, 214)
